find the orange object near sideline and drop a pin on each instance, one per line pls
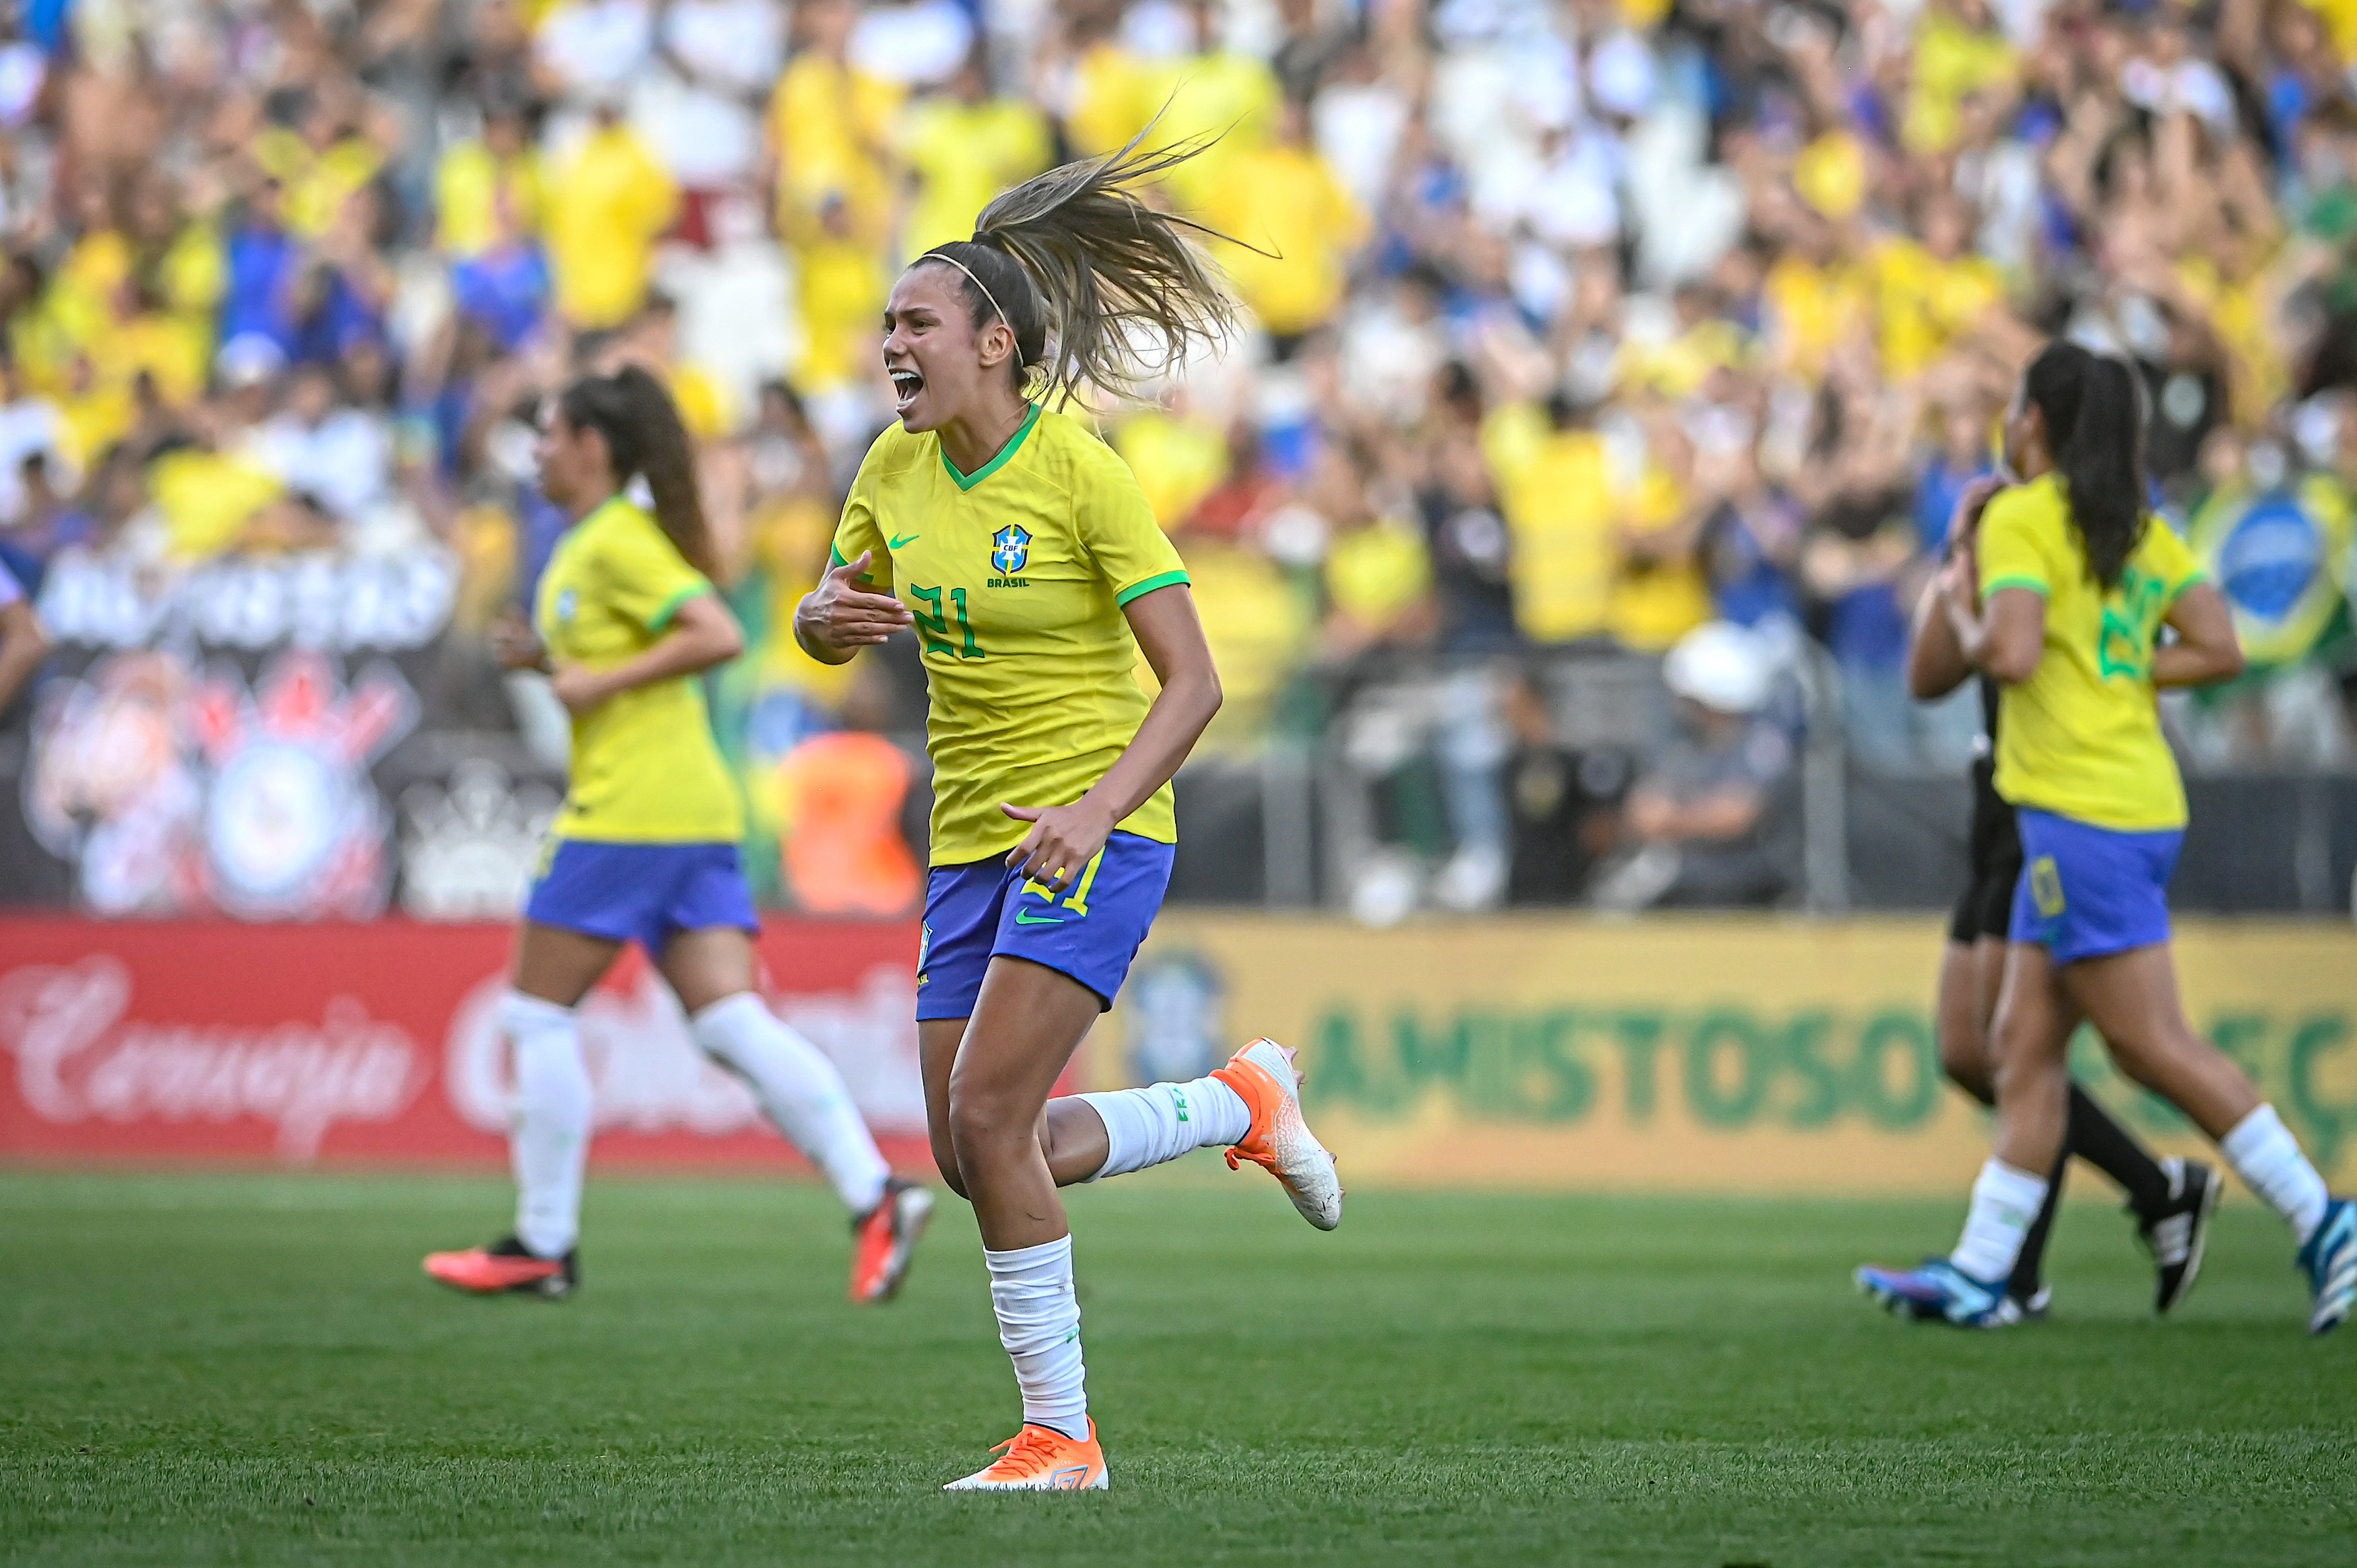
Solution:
(843, 855)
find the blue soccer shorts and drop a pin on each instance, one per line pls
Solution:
(2088, 892)
(977, 911)
(645, 893)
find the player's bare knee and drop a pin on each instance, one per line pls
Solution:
(945, 1161)
(980, 1122)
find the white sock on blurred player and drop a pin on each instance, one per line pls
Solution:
(2005, 1202)
(2264, 1154)
(549, 1141)
(801, 1092)
(1163, 1121)
(1040, 1324)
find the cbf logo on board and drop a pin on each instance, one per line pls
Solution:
(1010, 551)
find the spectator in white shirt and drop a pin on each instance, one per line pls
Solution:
(342, 456)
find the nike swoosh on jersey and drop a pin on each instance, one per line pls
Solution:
(1025, 918)
(902, 543)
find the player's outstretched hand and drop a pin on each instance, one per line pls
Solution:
(1061, 843)
(842, 616)
(516, 645)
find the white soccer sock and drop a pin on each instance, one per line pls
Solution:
(2264, 1154)
(801, 1092)
(548, 1141)
(1040, 1324)
(2005, 1202)
(1163, 1121)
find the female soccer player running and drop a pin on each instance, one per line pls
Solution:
(645, 848)
(2171, 1199)
(1023, 553)
(2077, 580)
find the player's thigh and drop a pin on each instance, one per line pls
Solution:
(560, 966)
(707, 966)
(2132, 998)
(937, 1049)
(1027, 1024)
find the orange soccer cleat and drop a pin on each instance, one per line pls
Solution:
(884, 1238)
(1041, 1459)
(1263, 1073)
(506, 1267)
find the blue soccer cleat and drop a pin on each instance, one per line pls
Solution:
(2329, 1261)
(1940, 1292)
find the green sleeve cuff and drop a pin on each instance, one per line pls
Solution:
(1148, 586)
(2035, 585)
(835, 558)
(661, 617)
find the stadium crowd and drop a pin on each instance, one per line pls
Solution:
(1573, 327)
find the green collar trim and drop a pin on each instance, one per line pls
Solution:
(1014, 444)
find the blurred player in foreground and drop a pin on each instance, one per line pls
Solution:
(2077, 580)
(645, 849)
(1022, 550)
(2172, 1199)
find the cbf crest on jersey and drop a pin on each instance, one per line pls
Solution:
(1010, 549)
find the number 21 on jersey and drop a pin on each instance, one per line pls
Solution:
(933, 622)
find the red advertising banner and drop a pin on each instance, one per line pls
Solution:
(375, 1044)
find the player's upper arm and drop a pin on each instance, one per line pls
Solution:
(860, 531)
(2172, 561)
(643, 577)
(1117, 528)
(2013, 546)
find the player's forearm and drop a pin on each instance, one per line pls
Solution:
(2195, 664)
(21, 653)
(693, 649)
(1936, 664)
(1172, 727)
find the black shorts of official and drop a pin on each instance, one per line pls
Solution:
(1985, 907)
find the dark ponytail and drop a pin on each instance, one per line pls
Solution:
(644, 438)
(1091, 279)
(2094, 410)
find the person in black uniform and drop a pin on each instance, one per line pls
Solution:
(2171, 1199)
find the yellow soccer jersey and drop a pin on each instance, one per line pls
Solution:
(1016, 574)
(645, 767)
(2082, 737)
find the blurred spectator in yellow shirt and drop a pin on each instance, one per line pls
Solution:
(1556, 489)
(1959, 50)
(476, 174)
(840, 287)
(1108, 91)
(1659, 591)
(830, 130)
(1215, 92)
(1286, 203)
(963, 147)
(608, 204)
(1929, 294)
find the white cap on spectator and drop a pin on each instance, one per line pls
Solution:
(249, 360)
(1721, 665)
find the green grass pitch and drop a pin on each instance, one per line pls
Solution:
(252, 1370)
